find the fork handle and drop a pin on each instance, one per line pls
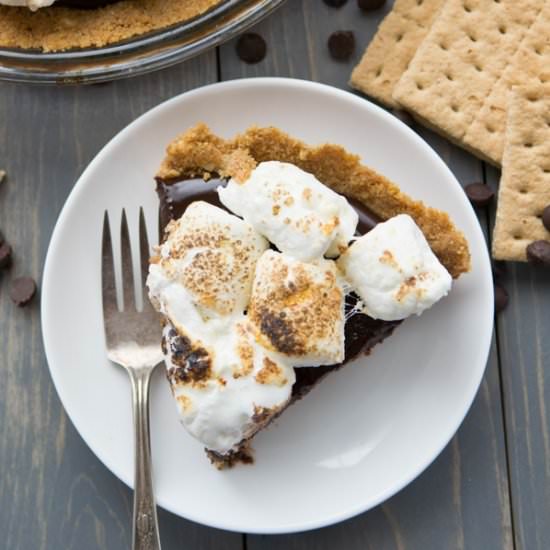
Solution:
(145, 524)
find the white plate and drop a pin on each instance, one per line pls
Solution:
(366, 431)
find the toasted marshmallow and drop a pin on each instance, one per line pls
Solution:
(394, 270)
(293, 209)
(212, 254)
(297, 309)
(33, 5)
(225, 385)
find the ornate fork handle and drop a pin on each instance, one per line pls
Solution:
(145, 525)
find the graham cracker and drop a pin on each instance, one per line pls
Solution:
(392, 48)
(525, 183)
(530, 65)
(465, 53)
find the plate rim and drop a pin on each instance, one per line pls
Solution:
(360, 102)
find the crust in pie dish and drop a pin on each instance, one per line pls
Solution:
(58, 28)
(198, 153)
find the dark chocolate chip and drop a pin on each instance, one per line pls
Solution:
(5, 255)
(546, 217)
(479, 194)
(22, 291)
(501, 298)
(335, 3)
(538, 252)
(403, 116)
(251, 47)
(341, 45)
(369, 5)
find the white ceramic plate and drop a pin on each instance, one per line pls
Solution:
(366, 431)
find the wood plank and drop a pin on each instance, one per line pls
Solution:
(296, 37)
(442, 508)
(54, 493)
(524, 348)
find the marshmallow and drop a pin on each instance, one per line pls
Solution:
(33, 5)
(394, 271)
(297, 309)
(295, 211)
(212, 254)
(225, 385)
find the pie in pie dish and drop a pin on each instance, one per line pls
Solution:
(59, 25)
(279, 263)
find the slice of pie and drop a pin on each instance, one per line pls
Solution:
(280, 263)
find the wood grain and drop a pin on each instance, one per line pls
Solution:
(54, 493)
(297, 37)
(524, 351)
(442, 508)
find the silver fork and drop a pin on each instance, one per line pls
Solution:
(133, 342)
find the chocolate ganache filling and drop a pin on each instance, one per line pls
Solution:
(362, 332)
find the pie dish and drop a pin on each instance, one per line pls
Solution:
(62, 43)
(78, 24)
(298, 315)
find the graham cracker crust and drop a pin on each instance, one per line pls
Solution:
(63, 28)
(198, 152)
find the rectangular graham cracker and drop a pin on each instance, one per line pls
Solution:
(466, 51)
(392, 48)
(525, 183)
(530, 65)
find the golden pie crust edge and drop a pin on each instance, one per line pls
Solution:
(63, 28)
(199, 152)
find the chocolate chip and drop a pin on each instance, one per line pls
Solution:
(335, 3)
(546, 217)
(251, 47)
(479, 194)
(341, 45)
(501, 298)
(22, 291)
(403, 116)
(369, 5)
(538, 252)
(5, 255)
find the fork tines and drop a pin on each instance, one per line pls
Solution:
(129, 282)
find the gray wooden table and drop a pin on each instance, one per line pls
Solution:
(489, 489)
